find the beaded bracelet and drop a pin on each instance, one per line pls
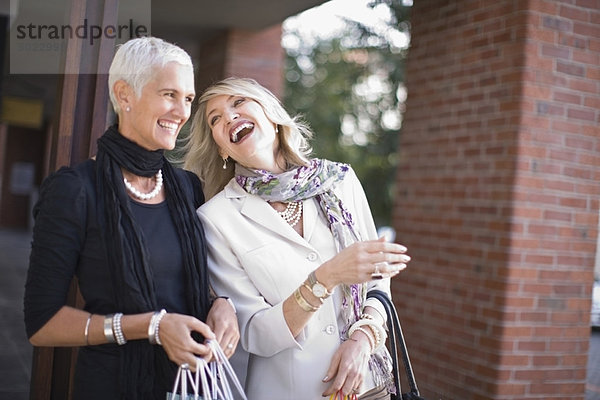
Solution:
(117, 328)
(367, 334)
(376, 335)
(367, 316)
(378, 332)
(153, 336)
(109, 334)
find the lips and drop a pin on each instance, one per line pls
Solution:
(240, 131)
(172, 126)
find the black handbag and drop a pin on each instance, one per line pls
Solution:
(396, 339)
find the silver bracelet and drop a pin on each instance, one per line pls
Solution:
(229, 301)
(153, 335)
(108, 329)
(87, 329)
(118, 329)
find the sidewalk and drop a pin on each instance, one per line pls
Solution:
(15, 350)
(592, 391)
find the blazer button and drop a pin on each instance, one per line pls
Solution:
(330, 329)
(312, 256)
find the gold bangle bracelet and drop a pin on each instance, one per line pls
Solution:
(305, 305)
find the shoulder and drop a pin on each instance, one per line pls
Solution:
(189, 175)
(191, 183)
(231, 197)
(350, 173)
(70, 180)
(66, 191)
(215, 203)
(349, 179)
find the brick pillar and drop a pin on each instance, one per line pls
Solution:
(497, 196)
(243, 53)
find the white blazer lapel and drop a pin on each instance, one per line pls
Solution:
(310, 217)
(259, 211)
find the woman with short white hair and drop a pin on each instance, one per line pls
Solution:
(124, 225)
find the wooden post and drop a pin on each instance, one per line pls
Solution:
(83, 117)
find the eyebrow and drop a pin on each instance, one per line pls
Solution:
(213, 110)
(167, 89)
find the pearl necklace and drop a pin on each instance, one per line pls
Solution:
(292, 213)
(146, 196)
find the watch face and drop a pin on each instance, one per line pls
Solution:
(319, 290)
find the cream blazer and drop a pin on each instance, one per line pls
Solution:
(258, 260)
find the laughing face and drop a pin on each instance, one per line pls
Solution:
(156, 117)
(243, 132)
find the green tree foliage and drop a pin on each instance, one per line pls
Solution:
(349, 89)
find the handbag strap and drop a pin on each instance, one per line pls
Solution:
(396, 338)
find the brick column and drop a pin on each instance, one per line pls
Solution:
(243, 53)
(497, 197)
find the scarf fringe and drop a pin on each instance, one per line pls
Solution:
(145, 371)
(381, 368)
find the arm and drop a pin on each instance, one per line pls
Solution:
(259, 314)
(61, 215)
(222, 320)
(349, 364)
(175, 332)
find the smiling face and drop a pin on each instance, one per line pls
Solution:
(156, 117)
(243, 132)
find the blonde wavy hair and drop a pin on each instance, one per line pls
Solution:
(201, 153)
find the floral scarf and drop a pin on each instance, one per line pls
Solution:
(318, 179)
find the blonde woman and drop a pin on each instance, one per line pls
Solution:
(292, 241)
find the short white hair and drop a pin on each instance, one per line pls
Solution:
(136, 59)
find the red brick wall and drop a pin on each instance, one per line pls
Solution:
(243, 53)
(497, 196)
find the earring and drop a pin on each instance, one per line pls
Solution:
(128, 109)
(225, 162)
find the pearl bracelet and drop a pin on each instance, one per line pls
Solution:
(379, 334)
(153, 335)
(118, 330)
(368, 335)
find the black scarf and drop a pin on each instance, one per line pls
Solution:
(145, 370)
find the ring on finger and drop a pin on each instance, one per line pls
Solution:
(230, 346)
(378, 274)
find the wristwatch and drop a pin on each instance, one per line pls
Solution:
(317, 288)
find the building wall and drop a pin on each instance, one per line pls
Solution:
(21, 155)
(497, 196)
(243, 53)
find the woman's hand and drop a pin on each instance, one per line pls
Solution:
(348, 366)
(223, 321)
(175, 333)
(358, 262)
